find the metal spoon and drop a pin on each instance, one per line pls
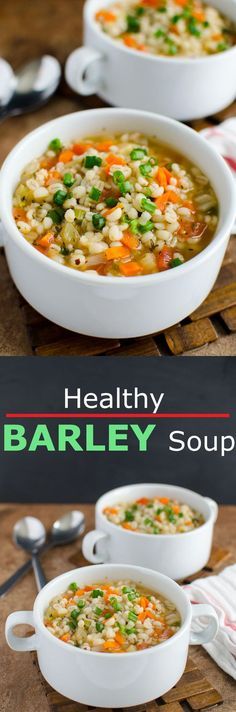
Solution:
(34, 84)
(30, 534)
(64, 531)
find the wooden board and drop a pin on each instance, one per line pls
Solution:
(211, 330)
(203, 685)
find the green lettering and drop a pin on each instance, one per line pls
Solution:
(41, 438)
(14, 439)
(143, 436)
(116, 435)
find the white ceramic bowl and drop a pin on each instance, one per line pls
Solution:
(175, 555)
(117, 679)
(111, 306)
(183, 88)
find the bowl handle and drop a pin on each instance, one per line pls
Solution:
(14, 641)
(213, 507)
(89, 547)
(80, 64)
(209, 631)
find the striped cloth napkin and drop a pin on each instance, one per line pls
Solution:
(220, 592)
(223, 139)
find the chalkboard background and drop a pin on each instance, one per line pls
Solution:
(204, 384)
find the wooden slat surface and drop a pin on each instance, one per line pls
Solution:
(211, 329)
(203, 684)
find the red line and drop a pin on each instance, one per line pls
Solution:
(117, 415)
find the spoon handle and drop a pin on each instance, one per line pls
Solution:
(20, 572)
(38, 572)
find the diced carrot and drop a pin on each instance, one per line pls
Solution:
(19, 214)
(71, 601)
(187, 524)
(126, 525)
(132, 43)
(169, 197)
(80, 148)
(110, 510)
(48, 162)
(52, 176)
(65, 156)
(40, 249)
(130, 240)
(142, 500)
(130, 269)
(65, 637)
(163, 262)
(164, 500)
(150, 3)
(120, 638)
(105, 15)
(217, 37)
(144, 602)
(111, 645)
(146, 614)
(46, 240)
(188, 204)
(175, 508)
(181, 2)
(114, 253)
(163, 176)
(104, 146)
(198, 15)
(112, 159)
(141, 646)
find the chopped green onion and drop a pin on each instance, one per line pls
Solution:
(159, 33)
(118, 177)
(74, 614)
(192, 27)
(148, 205)
(206, 24)
(108, 615)
(91, 161)
(172, 49)
(97, 592)
(175, 262)
(180, 514)
(176, 19)
(122, 628)
(222, 46)
(59, 197)
(129, 516)
(65, 251)
(115, 604)
(81, 603)
(132, 596)
(132, 616)
(99, 627)
(98, 611)
(145, 168)
(133, 226)
(131, 631)
(159, 511)
(139, 11)
(73, 586)
(98, 221)
(149, 225)
(132, 24)
(148, 522)
(55, 145)
(56, 215)
(111, 202)
(125, 187)
(138, 153)
(68, 179)
(95, 193)
(161, 9)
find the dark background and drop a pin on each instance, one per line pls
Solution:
(206, 384)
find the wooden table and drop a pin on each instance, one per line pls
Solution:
(21, 685)
(55, 26)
